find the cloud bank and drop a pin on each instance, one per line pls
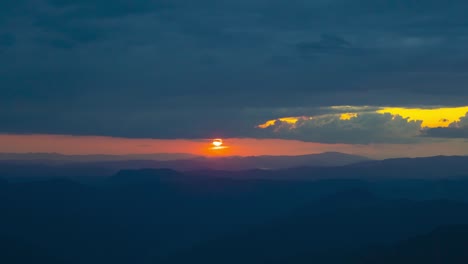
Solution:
(204, 69)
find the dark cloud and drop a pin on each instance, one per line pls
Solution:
(326, 44)
(107, 8)
(187, 68)
(448, 132)
(7, 40)
(458, 129)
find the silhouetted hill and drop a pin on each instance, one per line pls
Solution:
(444, 245)
(146, 176)
(13, 251)
(3, 183)
(128, 223)
(328, 234)
(350, 198)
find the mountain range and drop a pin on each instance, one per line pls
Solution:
(40, 165)
(390, 211)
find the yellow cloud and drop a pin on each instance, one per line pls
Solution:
(348, 116)
(290, 120)
(431, 118)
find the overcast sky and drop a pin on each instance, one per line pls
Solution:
(168, 69)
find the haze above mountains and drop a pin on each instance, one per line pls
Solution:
(57, 157)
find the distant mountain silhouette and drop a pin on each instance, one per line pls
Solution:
(111, 164)
(326, 159)
(440, 167)
(425, 167)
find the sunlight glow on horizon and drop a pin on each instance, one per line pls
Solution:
(99, 145)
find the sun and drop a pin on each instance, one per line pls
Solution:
(218, 147)
(217, 142)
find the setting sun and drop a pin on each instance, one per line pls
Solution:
(217, 145)
(217, 142)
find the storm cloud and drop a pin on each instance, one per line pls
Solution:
(197, 69)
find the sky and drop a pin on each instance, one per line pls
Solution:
(280, 77)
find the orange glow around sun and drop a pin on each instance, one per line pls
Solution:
(218, 147)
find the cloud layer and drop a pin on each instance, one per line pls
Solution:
(200, 69)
